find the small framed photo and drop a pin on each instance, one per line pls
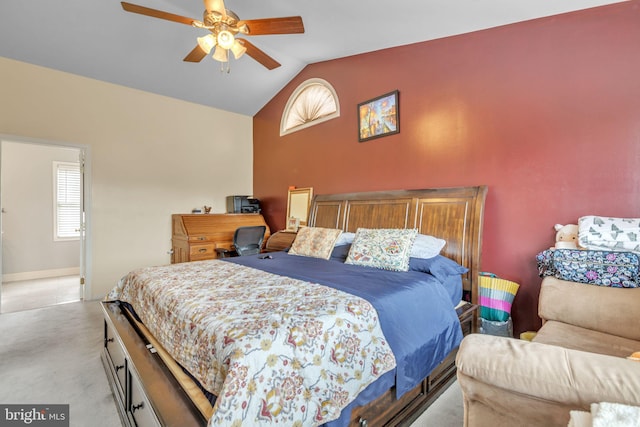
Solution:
(378, 117)
(293, 224)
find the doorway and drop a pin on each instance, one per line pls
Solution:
(43, 231)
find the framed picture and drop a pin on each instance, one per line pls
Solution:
(378, 117)
(293, 224)
(298, 204)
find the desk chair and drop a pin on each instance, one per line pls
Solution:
(246, 241)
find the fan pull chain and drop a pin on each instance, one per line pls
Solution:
(222, 68)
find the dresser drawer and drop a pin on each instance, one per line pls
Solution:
(139, 409)
(443, 372)
(116, 358)
(203, 239)
(202, 251)
(145, 391)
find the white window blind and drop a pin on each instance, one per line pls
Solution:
(313, 102)
(67, 200)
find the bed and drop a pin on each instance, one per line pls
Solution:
(160, 384)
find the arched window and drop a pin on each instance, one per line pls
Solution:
(314, 101)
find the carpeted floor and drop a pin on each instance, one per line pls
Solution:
(446, 411)
(51, 355)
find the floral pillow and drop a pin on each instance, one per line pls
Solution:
(316, 242)
(384, 248)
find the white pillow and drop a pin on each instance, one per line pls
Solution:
(345, 238)
(605, 233)
(426, 246)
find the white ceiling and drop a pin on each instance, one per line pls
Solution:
(97, 39)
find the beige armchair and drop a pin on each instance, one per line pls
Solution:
(577, 358)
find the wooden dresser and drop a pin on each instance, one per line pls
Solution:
(195, 237)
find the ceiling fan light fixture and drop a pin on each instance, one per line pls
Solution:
(207, 42)
(238, 49)
(225, 39)
(224, 25)
(221, 54)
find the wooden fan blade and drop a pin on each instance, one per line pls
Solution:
(259, 55)
(287, 25)
(156, 13)
(216, 6)
(196, 55)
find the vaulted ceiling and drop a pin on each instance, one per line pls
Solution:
(99, 40)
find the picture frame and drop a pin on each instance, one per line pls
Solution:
(293, 224)
(298, 205)
(379, 117)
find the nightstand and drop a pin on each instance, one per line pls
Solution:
(280, 241)
(467, 315)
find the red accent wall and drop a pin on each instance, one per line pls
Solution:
(545, 112)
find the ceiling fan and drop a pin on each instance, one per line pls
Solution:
(224, 26)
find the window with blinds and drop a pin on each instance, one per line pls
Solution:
(67, 200)
(313, 102)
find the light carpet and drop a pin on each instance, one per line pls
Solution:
(51, 355)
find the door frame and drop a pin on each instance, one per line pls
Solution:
(85, 255)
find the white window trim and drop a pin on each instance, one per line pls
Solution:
(56, 166)
(294, 97)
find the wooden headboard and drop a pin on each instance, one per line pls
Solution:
(452, 214)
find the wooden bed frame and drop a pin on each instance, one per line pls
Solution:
(452, 214)
(151, 391)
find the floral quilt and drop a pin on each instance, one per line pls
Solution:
(602, 268)
(271, 348)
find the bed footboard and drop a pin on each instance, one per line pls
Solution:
(145, 391)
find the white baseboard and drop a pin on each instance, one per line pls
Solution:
(42, 274)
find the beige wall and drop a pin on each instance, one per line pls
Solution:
(150, 156)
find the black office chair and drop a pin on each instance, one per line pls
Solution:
(246, 241)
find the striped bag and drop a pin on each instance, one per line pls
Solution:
(496, 297)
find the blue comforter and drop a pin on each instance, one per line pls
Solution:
(416, 313)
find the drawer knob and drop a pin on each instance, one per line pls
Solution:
(203, 250)
(134, 408)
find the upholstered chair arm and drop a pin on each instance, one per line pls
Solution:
(548, 371)
(540, 382)
(609, 310)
